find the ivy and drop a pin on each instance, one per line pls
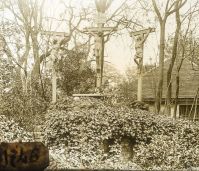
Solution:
(97, 135)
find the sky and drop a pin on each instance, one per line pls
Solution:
(119, 50)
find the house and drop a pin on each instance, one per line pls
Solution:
(189, 84)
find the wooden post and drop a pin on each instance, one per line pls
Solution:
(54, 76)
(57, 36)
(54, 85)
(98, 55)
(140, 38)
(100, 25)
(139, 90)
(101, 57)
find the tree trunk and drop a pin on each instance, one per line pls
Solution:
(173, 58)
(177, 86)
(161, 66)
(162, 21)
(177, 93)
(34, 34)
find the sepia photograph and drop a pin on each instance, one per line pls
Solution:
(99, 85)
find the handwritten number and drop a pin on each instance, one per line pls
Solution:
(13, 157)
(34, 156)
(22, 156)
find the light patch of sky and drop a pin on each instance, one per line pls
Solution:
(120, 49)
(53, 11)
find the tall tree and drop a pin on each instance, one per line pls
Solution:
(169, 9)
(187, 49)
(27, 16)
(187, 16)
(173, 57)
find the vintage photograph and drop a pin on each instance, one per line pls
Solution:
(99, 85)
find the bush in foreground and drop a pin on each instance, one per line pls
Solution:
(11, 131)
(94, 135)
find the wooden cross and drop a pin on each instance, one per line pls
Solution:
(59, 37)
(140, 37)
(98, 33)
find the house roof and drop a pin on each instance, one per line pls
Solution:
(189, 81)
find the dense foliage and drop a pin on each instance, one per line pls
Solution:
(75, 73)
(27, 109)
(11, 131)
(92, 134)
(6, 74)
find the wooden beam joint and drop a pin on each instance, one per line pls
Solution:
(145, 31)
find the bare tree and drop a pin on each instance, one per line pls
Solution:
(188, 14)
(27, 18)
(170, 8)
(187, 49)
(173, 57)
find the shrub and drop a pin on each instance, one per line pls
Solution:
(11, 131)
(94, 133)
(26, 109)
(75, 72)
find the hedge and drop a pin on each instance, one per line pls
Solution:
(96, 135)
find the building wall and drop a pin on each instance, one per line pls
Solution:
(189, 81)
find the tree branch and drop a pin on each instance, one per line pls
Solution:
(174, 10)
(157, 10)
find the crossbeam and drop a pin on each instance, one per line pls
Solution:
(97, 29)
(55, 33)
(97, 95)
(145, 31)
